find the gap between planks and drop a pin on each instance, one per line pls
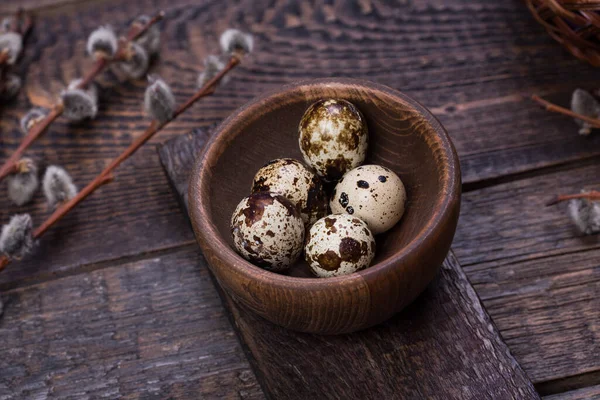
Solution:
(569, 383)
(531, 173)
(94, 266)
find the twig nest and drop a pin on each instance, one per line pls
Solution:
(32, 117)
(235, 42)
(268, 231)
(136, 63)
(16, 239)
(582, 102)
(159, 101)
(372, 193)
(58, 186)
(339, 244)
(78, 103)
(11, 42)
(333, 138)
(291, 179)
(23, 184)
(149, 40)
(212, 66)
(585, 214)
(102, 43)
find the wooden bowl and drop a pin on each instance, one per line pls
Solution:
(403, 136)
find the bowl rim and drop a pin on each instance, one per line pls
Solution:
(209, 236)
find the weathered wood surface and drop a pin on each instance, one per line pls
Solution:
(469, 61)
(442, 346)
(472, 62)
(588, 393)
(153, 328)
(536, 275)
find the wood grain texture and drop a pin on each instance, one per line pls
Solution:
(442, 346)
(536, 275)
(403, 136)
(148, 329)
(588, 393)
(469, 61)
(473, 63)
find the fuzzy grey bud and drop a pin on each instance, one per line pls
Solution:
(159, 101)
(150, 40)
(5, 24)
(32, 117)
(235, 41)
(212, 66)
(23, 184)
(137, 63)
(16, 239)
(80, 103)
(102, 42)
(585, 214)
(58, 186)
(582, 102)
(12, 85)
(11, 42)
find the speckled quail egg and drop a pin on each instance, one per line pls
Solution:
(268, 231)
(333, 138)
(339, 244)
(291, 179)
(372, 193)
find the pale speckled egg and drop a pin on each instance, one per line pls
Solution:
(333, 138)
(268, 231)
(339, 244)
(291, 179)
(372, 193)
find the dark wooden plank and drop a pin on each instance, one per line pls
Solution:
(588, 393)
(442, 346)
(537, 276)
(32, 5)
(153, 328)
(470, 61)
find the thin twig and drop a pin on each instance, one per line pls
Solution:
(591, 195)
(38, 129)
(565, 111)
(3, 262)
(106, 175)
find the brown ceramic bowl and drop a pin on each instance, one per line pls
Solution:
(403, 136)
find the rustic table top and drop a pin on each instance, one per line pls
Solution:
(114, 303)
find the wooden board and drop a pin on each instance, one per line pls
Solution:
(442, 346)
(536, 275)
(153, 328)
(588, 393)
(472, 62)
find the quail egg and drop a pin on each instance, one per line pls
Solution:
(339, 244)
(268, 231)
(372, 193)
(291, 179)
(333, 138)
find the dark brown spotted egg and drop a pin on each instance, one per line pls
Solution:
(333, 138)
(268, 231)
(339, 244)
(372, 193)
(293, 180)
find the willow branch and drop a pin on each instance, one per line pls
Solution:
(38, 129)
(565, 111)
(155, 126)
(593, 195)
